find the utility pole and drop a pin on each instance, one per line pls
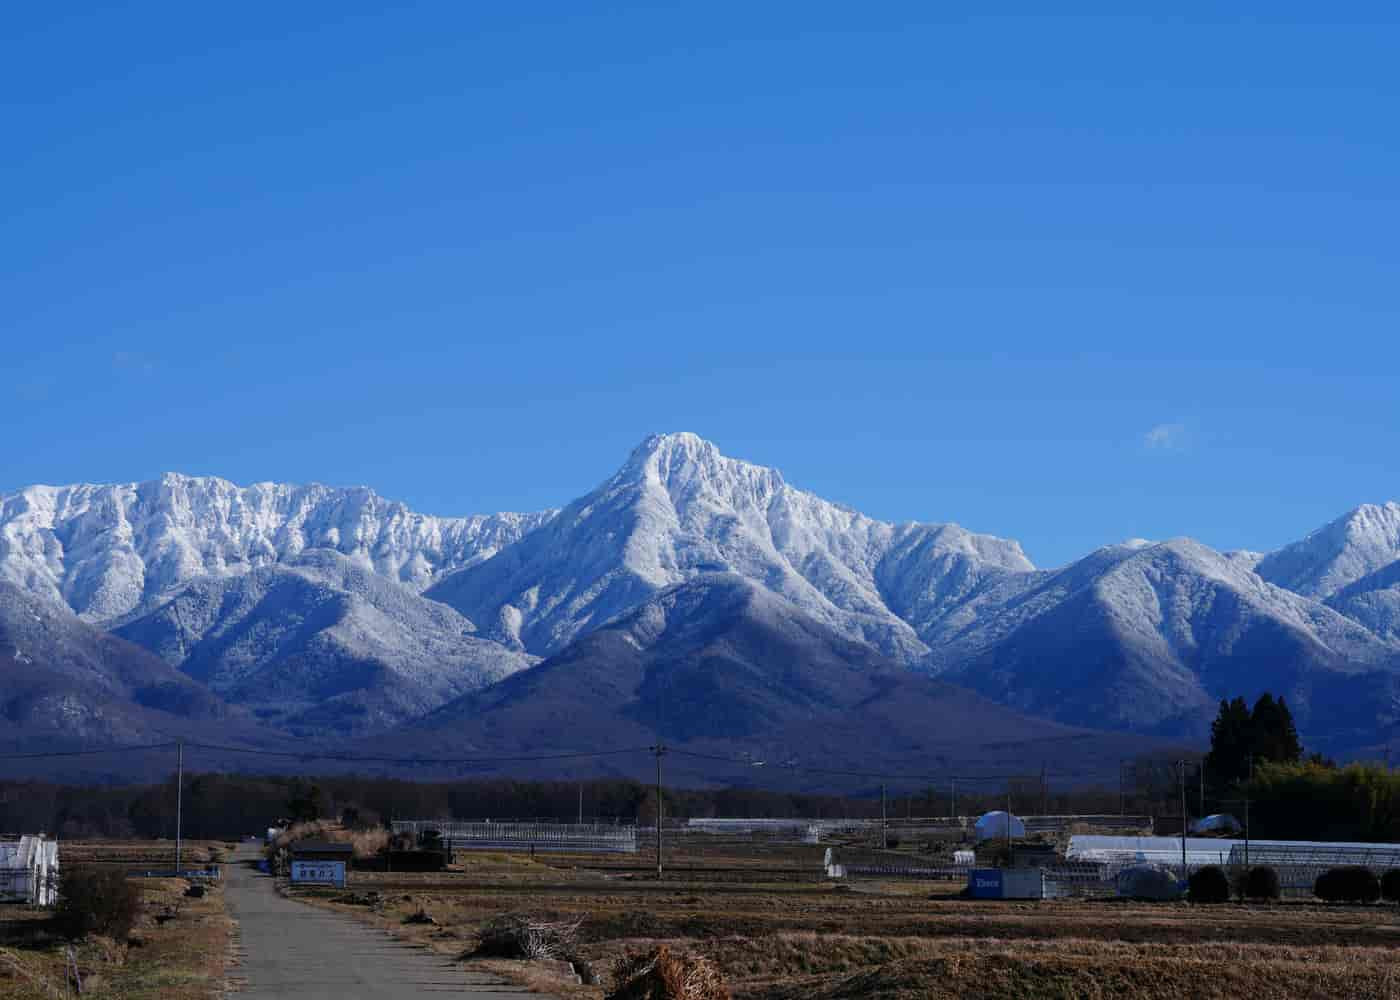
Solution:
(660, 751)
(1203, 786)
(1183, 818)
(1246, 810)
(1008, 822)
(1044, 792)
(1121, 806)
(179, 799)
(953, 800)
(580, 803)
(884, 834)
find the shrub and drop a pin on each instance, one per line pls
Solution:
(96, 901)
(1209, 885)
(663, 975)
(1390, 885)
(1352, 884)
(516, 936)
(1261, 883)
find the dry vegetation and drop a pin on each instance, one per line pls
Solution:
(806, 939)
(178, 948)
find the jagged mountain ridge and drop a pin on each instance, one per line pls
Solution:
(112, 551)
(678, 508)
(1140, 635)
(321, 643)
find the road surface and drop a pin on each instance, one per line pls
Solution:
(290, 950)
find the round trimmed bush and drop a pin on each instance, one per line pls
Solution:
(1390, 885)
(1349, 884)
(1262, 882)
(1209, 885)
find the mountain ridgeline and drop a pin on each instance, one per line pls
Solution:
(690, 595)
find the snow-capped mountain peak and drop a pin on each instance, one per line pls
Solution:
(678, 507)
(1340, 553)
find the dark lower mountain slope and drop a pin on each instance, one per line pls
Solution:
(718, 665)
(64, 683)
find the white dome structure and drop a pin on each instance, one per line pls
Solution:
(998, 825)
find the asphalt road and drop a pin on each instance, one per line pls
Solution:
(288, 949)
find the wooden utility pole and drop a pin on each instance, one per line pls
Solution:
(660, 751)
(179, 800)
(1183, 818)
(884, 834)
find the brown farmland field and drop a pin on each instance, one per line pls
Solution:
(780, 932)
(179, 948)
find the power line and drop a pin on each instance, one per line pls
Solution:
(86, 753)
(365, 759)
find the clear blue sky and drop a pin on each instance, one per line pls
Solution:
(1066, 279)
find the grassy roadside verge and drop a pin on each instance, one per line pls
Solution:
(179, 949)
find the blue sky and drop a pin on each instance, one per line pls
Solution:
(1067, 279)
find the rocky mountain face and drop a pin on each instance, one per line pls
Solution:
(322, 644)
(334, 612)
(678, 509)
(108, 552)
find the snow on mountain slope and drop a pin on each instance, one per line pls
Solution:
(679, 508)
(1338, 554)
(722, 665)
(322, 642)
(1148, 637)
(111, 551)
(63, 679)
(1373, 600)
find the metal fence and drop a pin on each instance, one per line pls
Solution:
(587, 838)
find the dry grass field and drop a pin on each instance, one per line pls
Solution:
(796, 937)
(179, 948)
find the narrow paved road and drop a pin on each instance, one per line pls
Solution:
(288, 949)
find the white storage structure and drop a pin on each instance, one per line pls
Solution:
(998, 825)
(29, 871)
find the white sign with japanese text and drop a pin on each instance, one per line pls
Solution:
(319, 873)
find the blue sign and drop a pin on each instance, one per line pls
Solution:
(319, 873)
(984, 883)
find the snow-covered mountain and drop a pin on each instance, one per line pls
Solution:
(721, 665)
(63, 680)
(321, 644)
(678, 508)
(334, 611)
(109, 552)
(1353, 546)
(1149, 637)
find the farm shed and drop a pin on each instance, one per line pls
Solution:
(29, 871)
(321, 850)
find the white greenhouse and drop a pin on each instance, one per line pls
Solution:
(29, 871)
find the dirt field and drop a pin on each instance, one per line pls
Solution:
(804, 938)
(179, 948)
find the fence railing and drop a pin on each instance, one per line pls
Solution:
(584, 838)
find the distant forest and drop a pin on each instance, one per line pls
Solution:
(221, 806)
(1303, 800)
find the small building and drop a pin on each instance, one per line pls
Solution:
(1006, 883)
(321, 850)
(29, 871)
